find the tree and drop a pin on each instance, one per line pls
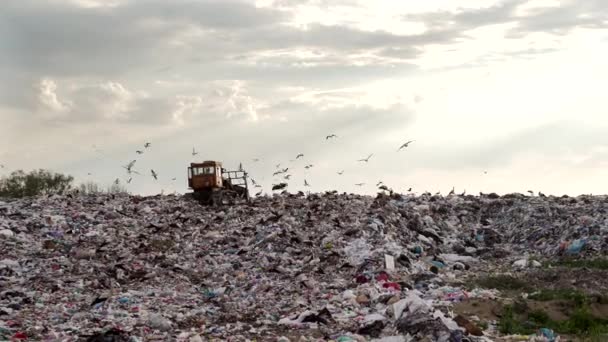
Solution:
(37, 182)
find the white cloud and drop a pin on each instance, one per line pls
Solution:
(47, 94)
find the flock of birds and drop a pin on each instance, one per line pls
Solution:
(283, 173)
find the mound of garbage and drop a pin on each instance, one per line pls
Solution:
(289, 267)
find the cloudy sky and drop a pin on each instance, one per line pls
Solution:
(512, 88)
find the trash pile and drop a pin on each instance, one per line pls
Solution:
(289, 267)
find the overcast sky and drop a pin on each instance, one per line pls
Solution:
(514, 88)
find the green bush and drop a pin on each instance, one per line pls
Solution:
(38, 182)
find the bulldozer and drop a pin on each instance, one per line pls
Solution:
(211, 184)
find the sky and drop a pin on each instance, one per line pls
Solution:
(498, 96)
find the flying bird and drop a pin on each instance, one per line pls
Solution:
(330, 136)
(409, 190)
(366, 159)
(287, 177)
(379, 183)
(299, 156)
(129, 180)
(194, 153)
(278, 165)
(279, 186)
(280, 171)
(405, 145)
(253, 181)
(306, 183)
(384, 187)
(360, 184)
(308, 166)
(139, 152)
(340, 173)
(154, 174)
(146, 145)
(173, 178)
(255, 160)
(531, 192)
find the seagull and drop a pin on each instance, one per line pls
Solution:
(340, 173)
(308, 166)
(531, 192)
(139, 152)
(409, 190)
(154, 175)
(452, 192)
(299, 156)
(278, 165)
(280, 171)
(173, 179)
(379, 183)
(253, 181)
(259, 193)
(89, 174)
(383, 187)
(240, 166)
(330, 136)
(194, 153)
(146, 145)
(366, 159)
(129, 180)
(117, 181)
(257, 186)
(405, 145)
(287, 177)
(360, 184)
(255, 160)
(279, 186)
(306, 183)
(129, 166)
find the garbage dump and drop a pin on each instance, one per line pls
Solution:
(291, 267)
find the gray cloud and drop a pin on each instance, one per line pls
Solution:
(558, 19)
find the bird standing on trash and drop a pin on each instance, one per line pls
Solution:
(154, 174)
(366, 159)
(405, 145)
